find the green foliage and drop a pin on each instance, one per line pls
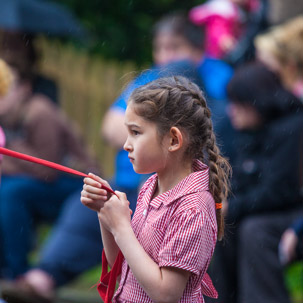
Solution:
(294, 281)
(121, 29)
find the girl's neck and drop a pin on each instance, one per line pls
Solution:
(172, 175)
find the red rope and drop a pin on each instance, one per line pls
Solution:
(50, 164)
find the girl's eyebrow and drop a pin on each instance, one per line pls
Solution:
(132, 125)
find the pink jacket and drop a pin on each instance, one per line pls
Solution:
(221, 18)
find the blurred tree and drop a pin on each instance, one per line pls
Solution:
(121, 29)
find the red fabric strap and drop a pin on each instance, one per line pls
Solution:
(50, 164)
(108, 280)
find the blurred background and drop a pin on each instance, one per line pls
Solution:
(93, 54)
(92, 49)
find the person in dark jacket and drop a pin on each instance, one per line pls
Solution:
(266, 185)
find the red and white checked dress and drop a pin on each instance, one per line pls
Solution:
(177, 229)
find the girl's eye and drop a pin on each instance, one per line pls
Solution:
(135, 132)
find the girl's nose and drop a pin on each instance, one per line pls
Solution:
(127, 146)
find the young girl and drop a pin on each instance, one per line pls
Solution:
(169, 243)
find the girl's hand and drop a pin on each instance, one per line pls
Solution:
(115, 214)
(92, 195)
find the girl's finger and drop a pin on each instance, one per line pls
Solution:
(99, 180)
(92, 182)
(93, 196)
(94, 190)
(121, 195)
(86, 200)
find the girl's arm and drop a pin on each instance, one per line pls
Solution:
(111, 248)
(161, 284)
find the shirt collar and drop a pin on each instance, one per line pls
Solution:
(197, 181)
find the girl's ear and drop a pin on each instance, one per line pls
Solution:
(176, 139)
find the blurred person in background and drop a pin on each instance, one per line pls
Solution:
(33, 124)
(10, 43)
(231, 26)
(266, 187)
(5, 82)
(177, 50)
(280, 49)
(227, 23)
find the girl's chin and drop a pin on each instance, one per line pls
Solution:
(140, 171)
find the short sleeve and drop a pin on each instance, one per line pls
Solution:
(189, 242)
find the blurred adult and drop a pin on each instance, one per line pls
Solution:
(177, 50)
(18, 50)
(281, 50)
(35, 125)
(266, 187)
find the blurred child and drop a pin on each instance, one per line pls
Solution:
(169, 243)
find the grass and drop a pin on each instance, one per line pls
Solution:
(294, 281)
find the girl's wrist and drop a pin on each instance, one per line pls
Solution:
(122, 232)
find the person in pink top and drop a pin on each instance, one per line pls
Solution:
(169, 243)
(225, 23)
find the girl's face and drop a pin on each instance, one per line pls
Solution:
(146, 150)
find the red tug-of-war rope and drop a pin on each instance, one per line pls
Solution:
(50, 164)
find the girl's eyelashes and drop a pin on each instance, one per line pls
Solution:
(134, 132)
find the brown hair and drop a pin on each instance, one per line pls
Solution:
(18, 51)
(175, 101)
(178, 24)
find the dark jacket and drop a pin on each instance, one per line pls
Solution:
(268, 168)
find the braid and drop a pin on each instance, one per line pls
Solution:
(175, 101)
(219, 172)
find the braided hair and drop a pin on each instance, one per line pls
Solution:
(176, 101)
